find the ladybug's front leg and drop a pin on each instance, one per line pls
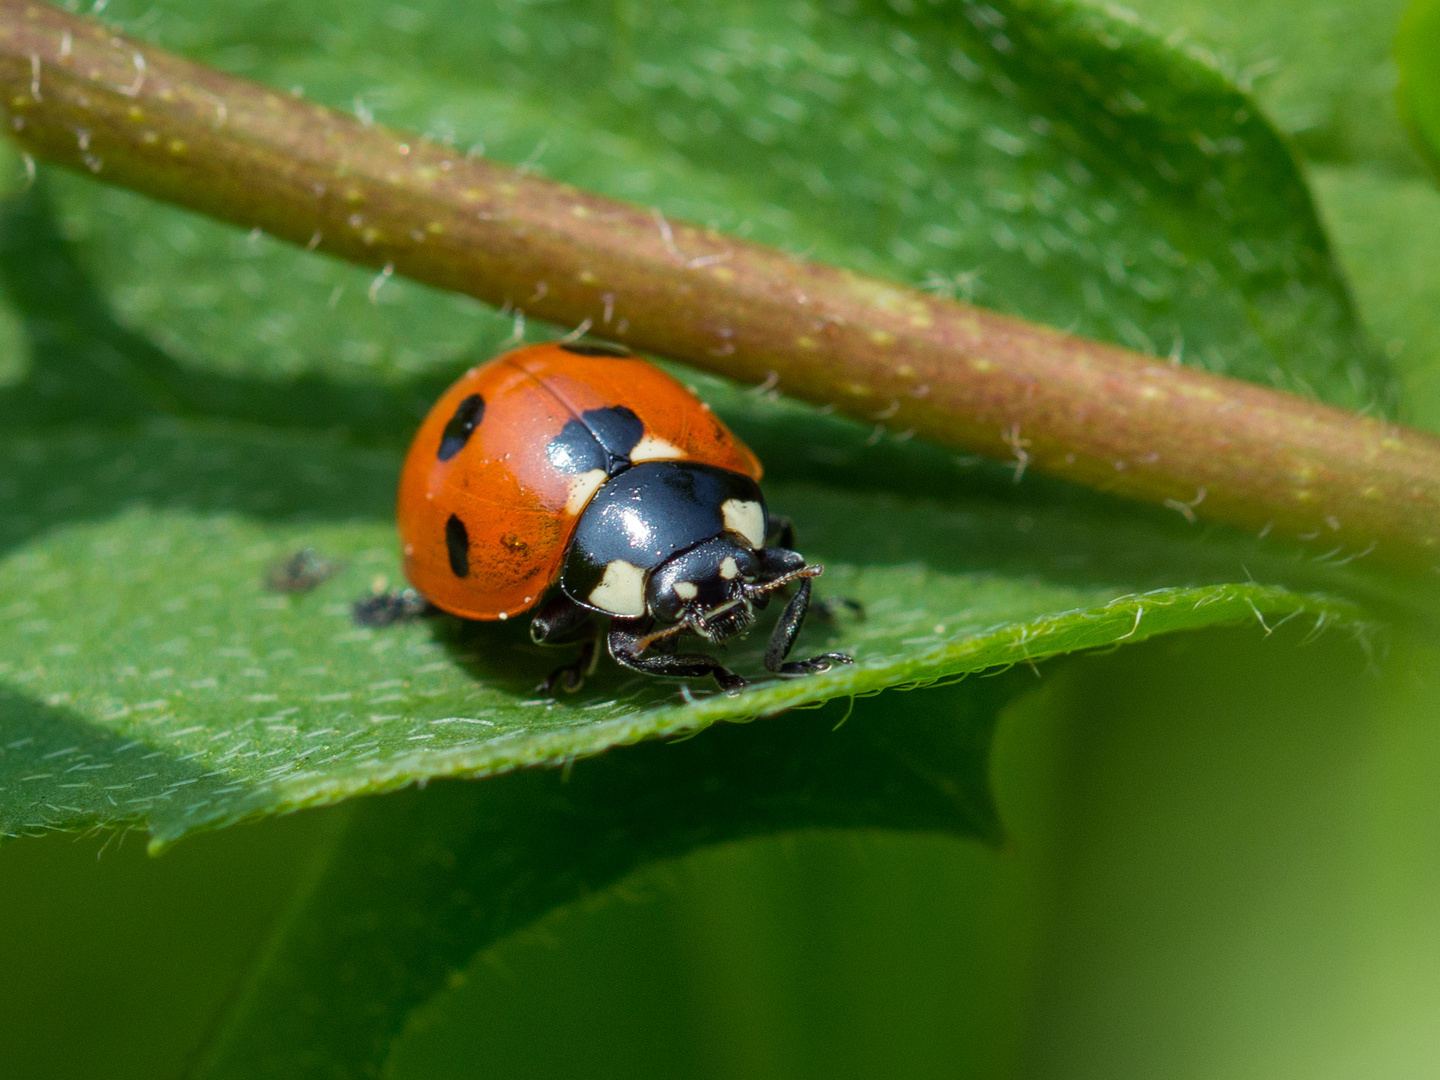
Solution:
(779, 532)
(564, 622)
(626, 648)
(787, 629)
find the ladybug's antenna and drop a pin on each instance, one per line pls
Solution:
(751, 592)
(660, 635)
(780, 582)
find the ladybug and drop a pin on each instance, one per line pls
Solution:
(578, 478)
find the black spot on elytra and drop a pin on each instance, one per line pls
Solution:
(599, 439)
(457, 543)
(595, 348)
(461, 426)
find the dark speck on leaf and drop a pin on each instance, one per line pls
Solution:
(300, 573)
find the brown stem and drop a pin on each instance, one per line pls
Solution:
(78, 94)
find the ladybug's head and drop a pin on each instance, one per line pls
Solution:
(709, 589)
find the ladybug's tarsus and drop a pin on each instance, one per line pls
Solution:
(573, 675)
(563, 622)
(782, 639)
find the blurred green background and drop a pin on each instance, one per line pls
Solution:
(1223, 855)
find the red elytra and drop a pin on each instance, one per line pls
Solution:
(492, 488)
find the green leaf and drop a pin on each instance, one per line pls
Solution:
(155, 677)
(417, 883)
(1387, 229)
(1417, 48)
(202, 403)
(1322, 70)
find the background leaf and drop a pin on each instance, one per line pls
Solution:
(1418, 49)
(1044, 157)
(1322, 70)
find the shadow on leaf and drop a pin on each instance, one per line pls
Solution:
(51, 751)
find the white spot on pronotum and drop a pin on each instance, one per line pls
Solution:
(746, 518)
(621, 590)
(581, 488)
(652, 449)
(687, 591)
(728, 570)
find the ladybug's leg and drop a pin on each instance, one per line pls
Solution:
(561, 621)
(776, 562)
(572, 676)
(782, 639)
(626, 649)
(779, 532)
(564, 622)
